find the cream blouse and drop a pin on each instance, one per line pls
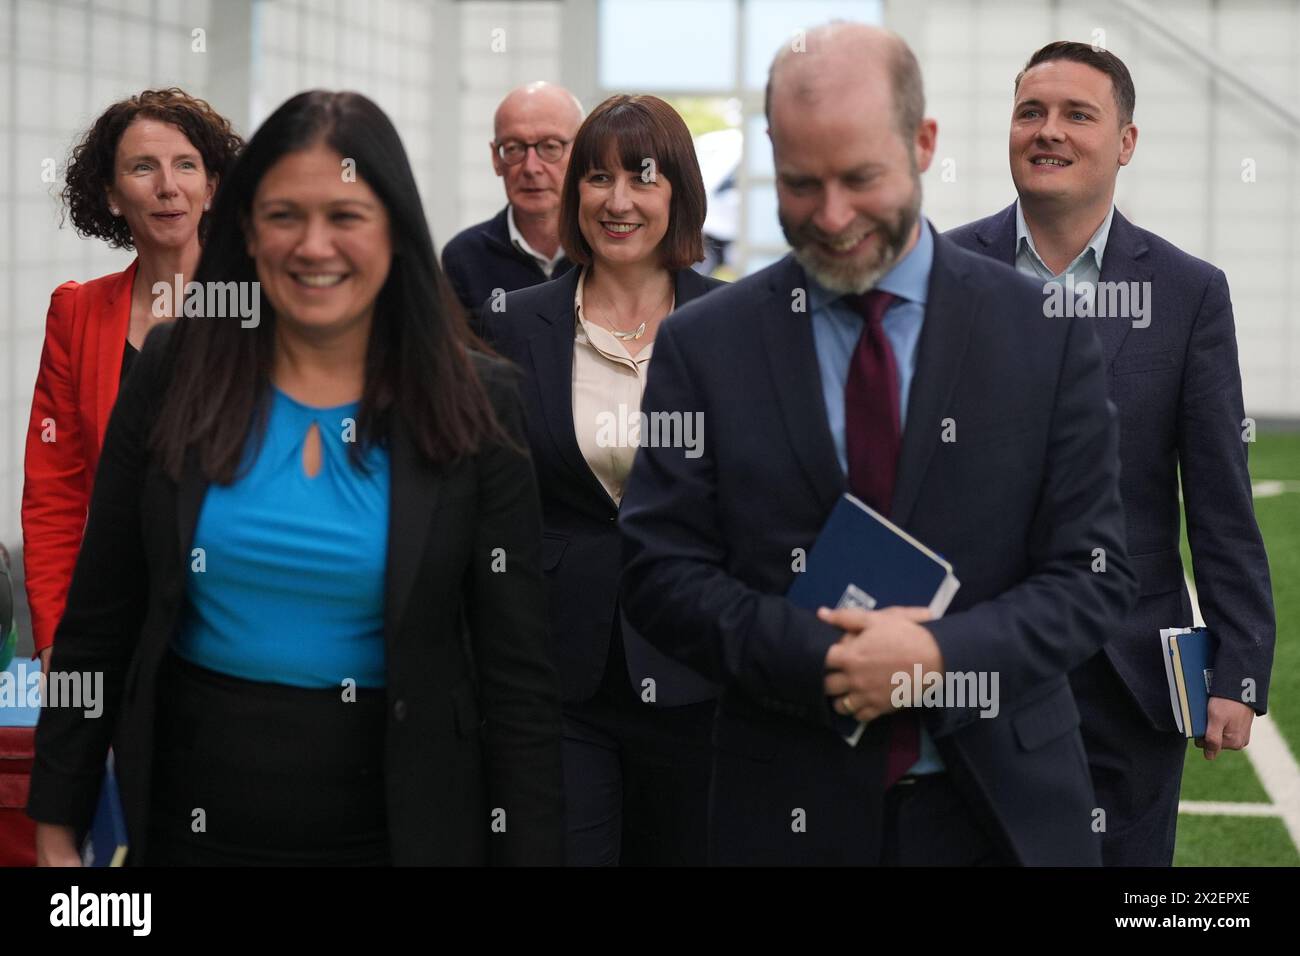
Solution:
(608, 382)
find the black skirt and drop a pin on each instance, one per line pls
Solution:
(249, 773)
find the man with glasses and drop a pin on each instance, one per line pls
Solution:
(520, 245)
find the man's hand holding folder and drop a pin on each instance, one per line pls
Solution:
(1227, 726)
(876, 646)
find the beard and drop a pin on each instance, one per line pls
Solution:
(861, 273)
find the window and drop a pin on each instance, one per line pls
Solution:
(709, 58)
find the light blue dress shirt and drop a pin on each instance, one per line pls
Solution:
(1086, 266)
(837, 326)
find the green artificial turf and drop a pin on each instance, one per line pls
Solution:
(1233, 841)
(1278, 457)
(1227, 777)
(1255, 841)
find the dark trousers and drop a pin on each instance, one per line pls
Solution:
(927, 822)
(636, 776)
(1137, 770)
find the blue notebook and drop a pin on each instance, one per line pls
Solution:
(1189, 668)
(862, 559)
(105, 844)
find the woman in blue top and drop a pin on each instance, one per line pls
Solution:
(310, 574)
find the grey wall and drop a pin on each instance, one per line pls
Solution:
(432, 65)
(1195, 131)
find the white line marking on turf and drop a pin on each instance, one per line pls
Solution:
(1272, 487)
(1269, 756)
(1220, 808)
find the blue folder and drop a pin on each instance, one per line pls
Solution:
(862, 559)
(106, 844)
(1189, 667)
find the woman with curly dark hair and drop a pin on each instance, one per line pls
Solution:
(142, 178)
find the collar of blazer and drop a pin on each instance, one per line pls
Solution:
(414, 489)
(551, 350)
(1125, 261)
(950, 312)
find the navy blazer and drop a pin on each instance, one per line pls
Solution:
(580, 545)
(1018, 502)
(480, 259)
(1177, 385)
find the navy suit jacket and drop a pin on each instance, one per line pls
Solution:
(1017, 503)
(580, 544)
(1177, 385)
(481, 259)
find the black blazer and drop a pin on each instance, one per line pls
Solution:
(1177, 385)
(474, 708)
(1017, 503)
(580, 548)
(482, 258)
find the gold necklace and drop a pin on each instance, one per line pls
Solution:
(628, 336)
(640, 329)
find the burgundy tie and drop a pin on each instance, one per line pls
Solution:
(872, 438)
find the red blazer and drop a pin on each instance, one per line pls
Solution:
(85, 334)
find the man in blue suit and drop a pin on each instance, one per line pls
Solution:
(882, 359)
(1171, 368)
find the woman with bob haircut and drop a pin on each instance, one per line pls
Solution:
(311, 571)
(142, 177)
(636, 723)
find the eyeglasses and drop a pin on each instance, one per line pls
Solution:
(549, 150)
